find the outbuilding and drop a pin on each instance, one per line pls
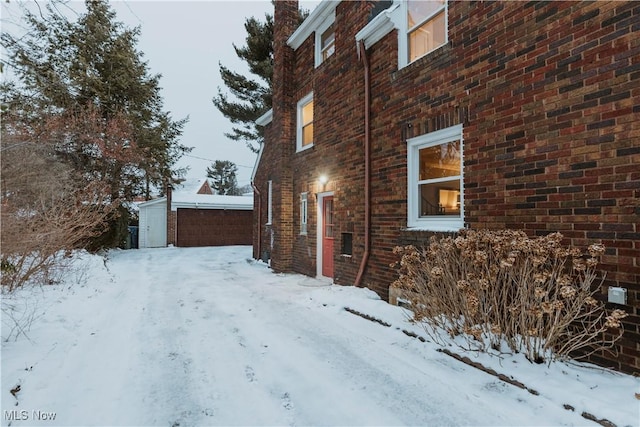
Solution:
(191, 215)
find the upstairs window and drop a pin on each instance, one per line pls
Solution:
(435, 180)
(325, 40)
(426, 26)
(327, 43)
(304, 134)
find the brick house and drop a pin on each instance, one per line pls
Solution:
(394, 120)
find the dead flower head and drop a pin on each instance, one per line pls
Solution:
(437, 272)
(540, 293)
(596, 249)
(613, 320)
(567, 291)
(592, 262)
(590, 301)
(579, 265)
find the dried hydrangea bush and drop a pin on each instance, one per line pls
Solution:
(498, 289)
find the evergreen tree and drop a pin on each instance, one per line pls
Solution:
(89, 75)
(253, 94)
(92, 64)
(223, 176)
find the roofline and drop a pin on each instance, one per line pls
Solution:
(313, 21)
(379, 27)
(257, 162)
(153, 202)
(265, 119)
(200, 205)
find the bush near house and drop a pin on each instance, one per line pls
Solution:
(502, 288)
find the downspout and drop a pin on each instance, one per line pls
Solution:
(257, 192)
(367, 165)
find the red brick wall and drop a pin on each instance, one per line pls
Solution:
(280, 143)
(171, 219)
(338, 150)
(548, 96)
(551, 131)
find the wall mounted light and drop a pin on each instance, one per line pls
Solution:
(322, 180)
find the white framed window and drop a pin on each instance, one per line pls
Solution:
(327, 43)
(435, 180)
(304, 204)
(270, 202)
(424, 29)
(325, 40)
(304, 123)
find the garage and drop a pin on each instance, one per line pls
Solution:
(191, 215)
(213, 227)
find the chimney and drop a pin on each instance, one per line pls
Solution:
(283, 127)
(284, 24)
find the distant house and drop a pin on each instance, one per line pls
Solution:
(192, 215)
(393, 121)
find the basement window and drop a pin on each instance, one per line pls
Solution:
(347, 244)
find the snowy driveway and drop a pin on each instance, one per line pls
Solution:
(204, 336)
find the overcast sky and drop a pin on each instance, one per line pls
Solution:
(185, 41)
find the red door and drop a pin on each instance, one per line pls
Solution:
(327, 236)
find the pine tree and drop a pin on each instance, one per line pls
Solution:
(88, 74)
(223, 175)
(253, 94)
(92, 63)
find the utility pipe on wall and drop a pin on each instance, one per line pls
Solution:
(367, 165)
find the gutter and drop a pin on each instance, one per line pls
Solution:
(367, 165)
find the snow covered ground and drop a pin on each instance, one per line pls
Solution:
(206, 336)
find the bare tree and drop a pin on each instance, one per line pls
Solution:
(47, 209)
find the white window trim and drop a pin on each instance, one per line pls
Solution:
(400, 20)
(304, 212)
(270, 203)
(302, 103)
(318, 36)
(432, 223)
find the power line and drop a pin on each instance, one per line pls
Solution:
(210, 160)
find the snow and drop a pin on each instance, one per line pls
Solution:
(207, 336)
(186, 195)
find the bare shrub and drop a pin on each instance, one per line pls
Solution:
(496, 288)
(46, 212)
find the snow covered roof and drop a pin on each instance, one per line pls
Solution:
(186, 195)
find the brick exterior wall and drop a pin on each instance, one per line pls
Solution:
(172, 219)
(548, 95)
(279, 146)
(338, 150)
